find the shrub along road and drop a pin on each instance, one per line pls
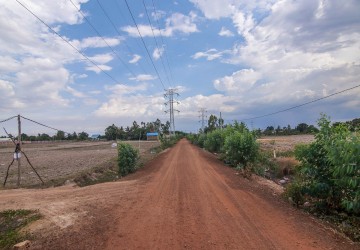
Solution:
(185, 198)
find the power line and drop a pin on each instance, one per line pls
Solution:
(87, 58)
(46, 126)
(162, 41)
(157, 45)
(97, 32)
(142, 39)
(300, 105)
(8, 119)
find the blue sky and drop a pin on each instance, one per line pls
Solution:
(241, 58)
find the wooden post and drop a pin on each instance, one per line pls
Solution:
(19, 158)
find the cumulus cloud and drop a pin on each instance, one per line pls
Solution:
(290, 52)
(176, 23)
(210, 54)
(135, 59)
(239, 82)
(225, 32)
(143, 77)
(130, 101)
(96, 42)
(158, 53)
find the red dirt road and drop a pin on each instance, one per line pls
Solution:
(183, 199)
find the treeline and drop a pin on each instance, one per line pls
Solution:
(136, 131)
(235, 143)
(60, 135)
(303, 128)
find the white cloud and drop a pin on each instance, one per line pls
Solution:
(98, 68)
(127, 101)
(158, 53)
(143, 77)
(176, 23)
(122, 89)
(75, 92)
(100, 60)
(290, 52)
(216, 102)
(210, 54)
(96, 42)
(239, 82)
(225, 32)
(135, 59)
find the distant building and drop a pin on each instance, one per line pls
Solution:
(152, 136)
(95, 137)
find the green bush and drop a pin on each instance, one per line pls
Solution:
(167, 142)
(214, 141)
(127, 158)
(241, 148)
(295, 191)
(330, 167)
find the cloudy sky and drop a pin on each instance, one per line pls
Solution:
(238, 57)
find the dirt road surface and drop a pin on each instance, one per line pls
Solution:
(183, 199)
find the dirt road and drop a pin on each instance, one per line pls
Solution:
(183, 199)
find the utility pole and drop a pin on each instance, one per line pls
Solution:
(169, 94)
(18, 151)
(203, 117)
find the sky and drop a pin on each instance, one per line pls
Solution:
(81, 65)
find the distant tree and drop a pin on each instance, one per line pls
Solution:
(25, 137)
(83, 136)
(72, 136)
(60, 135)
(212, 123)
(111, 132)
(44, 137)
(302, 128)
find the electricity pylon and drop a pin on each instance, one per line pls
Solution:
(203, 117)
(169, 94)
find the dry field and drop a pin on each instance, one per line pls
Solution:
(57, 162)
(284, 143)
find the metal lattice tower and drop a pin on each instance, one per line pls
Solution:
(169, 94)
(203, 117)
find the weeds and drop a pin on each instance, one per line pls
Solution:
(11, 222)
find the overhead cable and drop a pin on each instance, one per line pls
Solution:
(162, 41)
(46, 126)
(98, 33)
(157, 45)
(87, 58)
(8, 119)
(142, 39)
(300, 105)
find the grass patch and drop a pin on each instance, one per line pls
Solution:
(11, 222)
(106, 173)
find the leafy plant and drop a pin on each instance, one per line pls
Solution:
(330, 167)
(127, 158)
(241, 148)
(214, 141)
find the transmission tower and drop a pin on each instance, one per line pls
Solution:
(169, 95)
(203, 117)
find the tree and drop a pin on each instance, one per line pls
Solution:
(83, 136)
(212, 123)
(111, 132)
(302, 128)
(60, 135)
(241, 148)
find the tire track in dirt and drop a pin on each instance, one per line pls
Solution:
(183, 199)
(188, 203)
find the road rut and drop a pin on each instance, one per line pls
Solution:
(183, 199)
